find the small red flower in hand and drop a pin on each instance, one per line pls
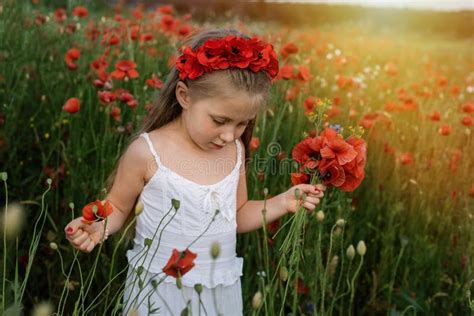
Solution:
(96, 211)
(179, 263)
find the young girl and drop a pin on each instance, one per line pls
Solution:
(187, 166)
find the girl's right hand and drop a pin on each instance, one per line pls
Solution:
(83, 236)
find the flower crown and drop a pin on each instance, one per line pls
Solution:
(228, 52)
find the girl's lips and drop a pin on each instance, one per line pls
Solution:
(217, 146)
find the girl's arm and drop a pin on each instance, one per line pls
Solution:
(128, 184)
(249, 213)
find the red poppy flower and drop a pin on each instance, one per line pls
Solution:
(301, 288)
(129, 99)
(166, 9)
(96, 211)
(273, 226)
(406, 158)
(80, 11)
(369, 120)
(309, 105)
(339, 149)
(299, 178)
(331, 173)
(304, 74)
(167, 22)
(70, 57)
(288, 49)
(286, 72)
(40, 19)
(254, 143)
(154, 82)
(211, 55)
(184, 30)
(125, 68)
(115, 113)
(435, 116)
(106, 96)
(466, 121)
(188, 65)
(72, 105)
(468, 107)
(60, 15)
(179, 263)
(444, 130)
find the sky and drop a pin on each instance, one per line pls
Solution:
(443, 5)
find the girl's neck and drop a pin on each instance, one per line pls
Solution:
(179, 129)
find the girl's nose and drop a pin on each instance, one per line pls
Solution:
(227, 137)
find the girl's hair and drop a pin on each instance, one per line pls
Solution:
(232, 81)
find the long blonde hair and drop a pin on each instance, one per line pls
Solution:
(166, 107)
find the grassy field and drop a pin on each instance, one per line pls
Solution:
(411, 93)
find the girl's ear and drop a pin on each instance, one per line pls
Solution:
(182, 95)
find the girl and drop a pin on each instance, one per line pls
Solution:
(186, 167)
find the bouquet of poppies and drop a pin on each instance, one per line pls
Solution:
(331, 160)
(327, 158)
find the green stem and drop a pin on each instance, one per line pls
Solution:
(4, 294)
(353, 284)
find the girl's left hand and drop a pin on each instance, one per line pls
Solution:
(313, 195)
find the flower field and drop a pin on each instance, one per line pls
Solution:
(76, 81)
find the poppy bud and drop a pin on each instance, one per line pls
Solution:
(215, 250)
(333, 265)
(361, 248)
(4, 176)
(257, 300)
(139, 208)
(320, 216)
(179, 283)
(283, 274)
(53, 245)
(350, 252)
(340, 222)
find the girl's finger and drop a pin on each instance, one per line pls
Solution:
(81, 239)
(72, 233)
(320, 187)
(309, 206)
(91, 246)
(312, 200)
(318, 194)
(85, 244)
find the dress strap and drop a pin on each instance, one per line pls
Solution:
(239, 153)
(150, 145)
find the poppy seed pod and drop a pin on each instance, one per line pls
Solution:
(361, 248)
(175, 203)
(198, 288)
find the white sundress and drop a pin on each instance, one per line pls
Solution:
(148, 291)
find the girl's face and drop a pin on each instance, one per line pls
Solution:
(214, 122)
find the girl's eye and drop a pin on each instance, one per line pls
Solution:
(218, 122)
(244, 124)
